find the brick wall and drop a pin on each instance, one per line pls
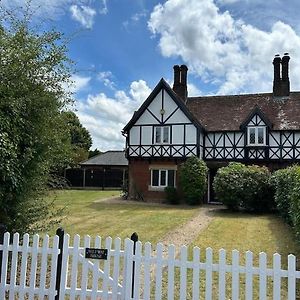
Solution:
(140, 179)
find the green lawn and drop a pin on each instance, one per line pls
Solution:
(150, 221)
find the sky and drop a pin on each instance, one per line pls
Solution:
(122, 48)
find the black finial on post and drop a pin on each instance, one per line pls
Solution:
(134, 237)
(60, 233)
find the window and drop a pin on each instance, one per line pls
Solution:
(162, 134)
(162, 178)
(256, 136)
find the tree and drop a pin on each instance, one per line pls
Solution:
(193, 174)
(34, 141)
(93, 153)
(81, 140)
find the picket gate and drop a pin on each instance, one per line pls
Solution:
(38, 268)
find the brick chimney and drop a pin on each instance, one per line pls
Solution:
(180, 81)
(281, 82)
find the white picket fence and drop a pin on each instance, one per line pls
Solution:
(29, 270)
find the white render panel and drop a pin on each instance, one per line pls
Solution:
(146, 135)
(219, 139)
(156, 105)
(169, 105)
(239, 139)
(190, 134)
(178, 117)
(209, 139)
(134, 135)
(146, 118)
(177, 134)
(274, 139)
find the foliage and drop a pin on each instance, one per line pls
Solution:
(81, 140)
(34, 141)
(283, 181)
(93, 153)
(171, 195)
(193, 180)
(238, 185)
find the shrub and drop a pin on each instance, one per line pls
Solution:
(283, 181)
(193, 180)
(171, 195)
(294, 198)
(238, 185)
(228, 185)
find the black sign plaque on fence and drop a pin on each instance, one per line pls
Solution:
(95, 253)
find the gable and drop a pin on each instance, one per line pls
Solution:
(163, 106)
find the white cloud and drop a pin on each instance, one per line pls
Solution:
(222, 50)
(106, 116)
(83, 14)
(106, 78)
(79, 82)
(103, 10)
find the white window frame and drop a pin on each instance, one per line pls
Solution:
(256, 128)
(159, 186)
(161, 129)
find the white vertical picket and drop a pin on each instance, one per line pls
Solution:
(14, 267)
(291, 277)
(276, 276)
(196, 273)
(147, 266)
(171, 260)
(128, 273)
(158, 272)
(34, 256)
(95, 282)
(44, 261)
(65, 267)
(116, 270)
(54, 259)
(235, 275)
(249, 276)
(106, 269)
(4, 265)
(183, 272)
(262, 275)
(84, 270)
(222, 274)
(208, 275)
(137, 270)
(74, 268)
(24, 265)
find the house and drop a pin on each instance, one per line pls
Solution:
(170, 126)
(105, 170)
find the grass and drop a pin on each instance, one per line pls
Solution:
(241, 231)
(150, 221)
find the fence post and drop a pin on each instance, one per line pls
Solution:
(3, 229)
(60, 233)
(134, 237)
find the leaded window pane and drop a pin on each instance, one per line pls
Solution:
(171, 174)
(166, 134)
(252, 135)
(163, 175)
(157, 135)
(260, 134)
(155, 177)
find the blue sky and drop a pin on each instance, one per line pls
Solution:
(123, 47)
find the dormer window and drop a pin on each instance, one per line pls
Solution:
(162, 134)
(256, 136)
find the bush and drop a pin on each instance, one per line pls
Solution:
(243, 186)
(193, 180)
(283, 182)
(171, 195)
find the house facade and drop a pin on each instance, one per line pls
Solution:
(169, 127)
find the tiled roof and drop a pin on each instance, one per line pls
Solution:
(108, 158)
(223, 113)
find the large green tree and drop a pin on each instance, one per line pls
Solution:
(81, 140)
(34, 139)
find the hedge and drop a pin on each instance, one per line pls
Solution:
(193, 180)
(240, 186)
